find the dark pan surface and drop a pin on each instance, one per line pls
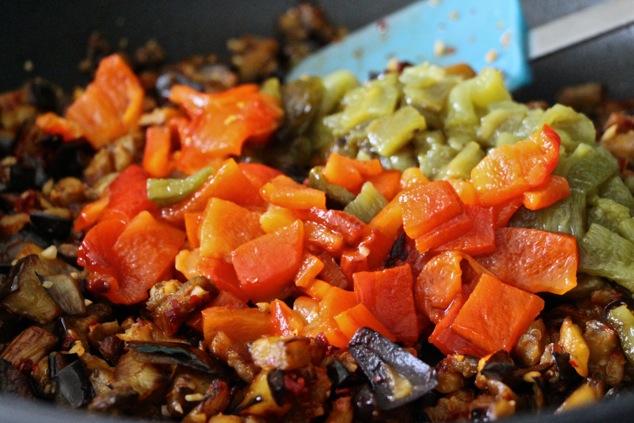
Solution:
(52, 36)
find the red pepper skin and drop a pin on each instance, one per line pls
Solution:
(112, 252)
(266, 266)
(388, 294)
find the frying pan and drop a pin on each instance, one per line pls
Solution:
(51, 37)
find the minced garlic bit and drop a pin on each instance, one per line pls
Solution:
(364, 250)
(194, 397)
(505, 39)
(263, 306)
(9, 161)
(440, 48)
(531, 376)
(198, 292)
(230, 119)
(610, 132)
(49, 253)
(87, 302)
(165, 411)
(47, 284)
(393, 65)
(28, 66)
(77, 348)
(491, 56)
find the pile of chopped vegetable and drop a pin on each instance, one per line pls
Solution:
(416, 247)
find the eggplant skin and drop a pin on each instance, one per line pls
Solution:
(74, 384)
(396, 375)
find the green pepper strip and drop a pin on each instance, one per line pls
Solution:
(167, 191)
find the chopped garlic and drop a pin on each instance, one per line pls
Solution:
(491, 56)
(194, 397)
(439, 48)
(49, 253)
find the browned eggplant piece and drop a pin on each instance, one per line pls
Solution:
(77, 328)
(118, 401)
(51, 226)
(168, 79)
(186, 391)
(499, 366)
(174, 353)
(27, 296)
(171, 303)
(365, 404)
(145, 378)
(29, 347)
(342, 410)
(12, 381)
(44, 95)
(74, 384)
(338, 373)
(66, 292)
(260, 400)
(396, 375)
(281, 353)
(216, 400)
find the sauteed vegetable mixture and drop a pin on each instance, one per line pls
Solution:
(416, 247)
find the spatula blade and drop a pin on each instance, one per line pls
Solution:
(481, 33)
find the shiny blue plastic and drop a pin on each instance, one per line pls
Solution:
(481, 33)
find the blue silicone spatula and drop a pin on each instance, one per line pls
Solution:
(481, 33)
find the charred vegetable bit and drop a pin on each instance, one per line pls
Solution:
(396, 375)
(74, 384)
(173, 353)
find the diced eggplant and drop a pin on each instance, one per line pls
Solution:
(397, 252)
(29, 347)
(587, 393)
(239, 359)
(66, 292)
(45, 95)
(41, 383)
(259, 399)
(281, 353)
(174, 353)
(187, 390)
(73, 328)
(14, 244)
(111, 348)
(171, 310)
(342, 410)
(277, 384)
(51, 226)
(116, 401)
(499, 366)
(365, 403)
(167, 80)
(144, 378)
(27, 297)
(216, 400)
(74, 384)
(338, 373)
(396, 375)
(68, 158)
(12, 381)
